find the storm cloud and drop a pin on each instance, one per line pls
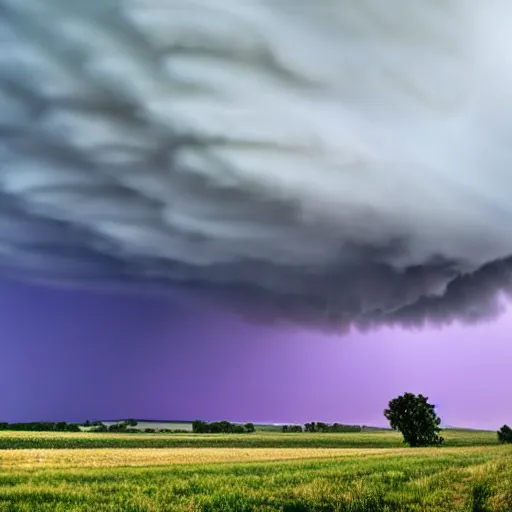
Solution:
(336, 163)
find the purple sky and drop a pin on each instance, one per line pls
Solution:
(68, 354)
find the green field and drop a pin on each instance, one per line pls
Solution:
(375, 439)
(364, 472)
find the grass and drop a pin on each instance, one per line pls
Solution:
(438, 480)
(365, 472)
(374, 439)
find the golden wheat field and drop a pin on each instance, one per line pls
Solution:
(114, 457)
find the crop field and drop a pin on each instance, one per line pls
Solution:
(364, 472)
(374, 439)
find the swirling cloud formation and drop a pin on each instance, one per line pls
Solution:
(333, 163)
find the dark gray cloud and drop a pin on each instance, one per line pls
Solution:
(338, 164)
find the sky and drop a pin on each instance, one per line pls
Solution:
(210, 213)
(74, 355)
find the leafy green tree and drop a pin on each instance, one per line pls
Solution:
(505, 434)
(249, 427)
(415, 418)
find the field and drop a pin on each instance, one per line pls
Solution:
(375, 439)
(370, 472)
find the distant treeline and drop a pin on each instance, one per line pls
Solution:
(198, 427)
(128, 427)
(319, 426)
(221, 427)
(42, 426)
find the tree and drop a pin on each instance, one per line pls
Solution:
(99, 426)
(505, 434)
(199, 427)
(249, 427)
(131, 422)
(415, 418)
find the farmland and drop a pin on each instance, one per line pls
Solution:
(374, 439)
(369, 471)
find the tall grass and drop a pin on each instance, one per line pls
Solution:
(262, 472)
(449, 480)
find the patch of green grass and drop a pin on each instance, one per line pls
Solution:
(459, 480)
(374, 439)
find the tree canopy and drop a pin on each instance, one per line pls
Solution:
(505, 434)
(415, 418)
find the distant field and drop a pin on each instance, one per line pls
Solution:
(375, 439)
